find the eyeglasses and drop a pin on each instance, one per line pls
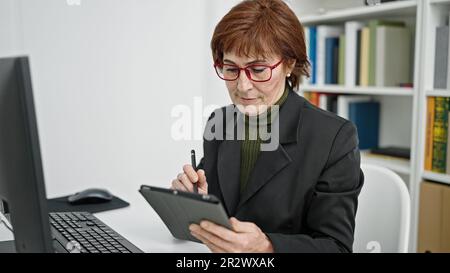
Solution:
(255, 72)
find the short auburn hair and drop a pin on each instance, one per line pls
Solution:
(260, 27)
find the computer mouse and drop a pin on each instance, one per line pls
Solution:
(90, 196)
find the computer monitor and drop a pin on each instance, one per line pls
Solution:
(22, 186)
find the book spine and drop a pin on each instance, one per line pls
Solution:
(365, 44)
(312, 53)
(440, 135)
(358, 57)
(429, 133)
(341, 69)
(372, 52)
(441, 57)
(329, 60)
(351, 52)
(448, 149)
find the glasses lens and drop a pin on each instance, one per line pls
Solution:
(260, 73)
(227, 72)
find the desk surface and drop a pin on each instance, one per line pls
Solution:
(139, 224)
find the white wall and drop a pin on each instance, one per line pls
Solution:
(10, 42)
(106, 77)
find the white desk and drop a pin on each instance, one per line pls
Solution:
(139, 224)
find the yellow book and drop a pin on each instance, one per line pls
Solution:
(364, 58)
(429, 134)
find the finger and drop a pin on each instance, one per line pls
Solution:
(219, 231)
(202, 179)
(242, 227)
(213, 239)
(210, 245)
(190, 172)
(182, 177)
(177, 185)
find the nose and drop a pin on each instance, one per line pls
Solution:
(244, 83)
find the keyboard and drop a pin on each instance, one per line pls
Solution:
(81, 232)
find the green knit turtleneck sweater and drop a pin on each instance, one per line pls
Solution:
(250, 147)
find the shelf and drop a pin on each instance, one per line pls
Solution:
(399, 8)
(436, 2)
(385, 91)
(438, 177)
(438, 93)
(398, 165)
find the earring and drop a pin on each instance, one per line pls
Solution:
(289, 75)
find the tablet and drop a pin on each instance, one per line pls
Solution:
(179, 209)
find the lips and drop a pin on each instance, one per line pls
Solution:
(248, 100)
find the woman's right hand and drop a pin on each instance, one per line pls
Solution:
(185, 181)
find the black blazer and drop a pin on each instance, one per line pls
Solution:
(303, 195)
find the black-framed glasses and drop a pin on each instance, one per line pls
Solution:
(254, 72)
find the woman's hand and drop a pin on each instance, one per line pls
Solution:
(245, 237)
(185, 181)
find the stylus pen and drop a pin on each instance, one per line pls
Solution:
(194, 165)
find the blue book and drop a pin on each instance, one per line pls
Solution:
(312, 53)
(331, 60)
(366, 117)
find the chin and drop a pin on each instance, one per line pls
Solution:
(251, 109)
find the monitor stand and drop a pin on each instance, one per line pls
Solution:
(7, 247)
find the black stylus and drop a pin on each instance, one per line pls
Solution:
(194, 165)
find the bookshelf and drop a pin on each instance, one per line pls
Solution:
(401, 8)
(437, 2)
(438, 177)
(413, 13)
(337, 89)
(401, 166)
(438, 93)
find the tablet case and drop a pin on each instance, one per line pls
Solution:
(179, 209)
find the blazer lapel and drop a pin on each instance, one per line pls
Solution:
(228, 167)
(268, 164)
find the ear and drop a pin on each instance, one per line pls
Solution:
(290, 65)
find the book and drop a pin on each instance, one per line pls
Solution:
(323, 101)
(441, 57)
(447, 166)
(429, 134)
(366, 117)
(364, 57)
(448, 60)
(351, 52)
(343, 102)
(393, 63)
(315, 98)
(398, 152)
(306, 33)
(324, 32)
(312, 53)
(358, 57)
(331, 60)
(332, 103)
(373, 26)
(440, 130)
(341, 68)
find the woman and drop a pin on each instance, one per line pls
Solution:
(300, 196)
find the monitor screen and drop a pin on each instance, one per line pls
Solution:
(22, 184)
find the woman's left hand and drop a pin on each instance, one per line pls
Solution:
(245, 237)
